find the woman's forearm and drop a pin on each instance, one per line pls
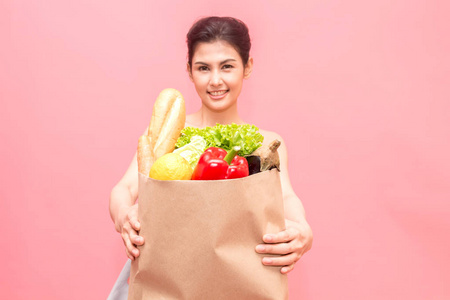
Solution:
(120, 199)
(124, 194)
(293, 208)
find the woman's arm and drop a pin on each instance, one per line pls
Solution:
(124, 193)
(297, 239)
(293, 207)
(124, 209)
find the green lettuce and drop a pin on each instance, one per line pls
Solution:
(192, 151)
(225, 136)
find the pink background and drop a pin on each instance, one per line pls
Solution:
(358, 89)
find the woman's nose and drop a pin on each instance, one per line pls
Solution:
(215, 79)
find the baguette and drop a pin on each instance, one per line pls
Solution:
(145, 155)
(168, 118)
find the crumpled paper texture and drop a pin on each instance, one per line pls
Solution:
(200, 239)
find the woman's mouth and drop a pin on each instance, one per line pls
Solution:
(216, 95)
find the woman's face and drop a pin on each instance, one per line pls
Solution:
(218, 72)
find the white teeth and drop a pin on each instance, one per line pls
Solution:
(217, 93)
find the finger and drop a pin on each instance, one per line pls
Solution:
(130, 256)
(287, 269)
(133, 218)
(134, 236)
(284, 260)
(135, 224)
(129, 245)
(136, 239)
(282, 248)
(281, 237)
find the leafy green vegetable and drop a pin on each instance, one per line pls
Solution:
(192, 151)
(225, 136)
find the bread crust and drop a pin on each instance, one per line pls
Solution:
(168, 119)
(144, 155)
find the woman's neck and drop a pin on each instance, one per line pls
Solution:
(208, 118)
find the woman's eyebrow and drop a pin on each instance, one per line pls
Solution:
(227, 60)
(223, 62)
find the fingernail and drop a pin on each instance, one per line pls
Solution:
(138, 239)
(135, 252)
(268, 237)
(137, 224)
(260, 248)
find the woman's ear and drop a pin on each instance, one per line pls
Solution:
(248, 68)
(188, 69)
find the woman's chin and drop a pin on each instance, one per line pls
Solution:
(218, 106)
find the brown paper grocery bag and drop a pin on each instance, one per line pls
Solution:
(200, 239)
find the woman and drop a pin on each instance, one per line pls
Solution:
(218, 63)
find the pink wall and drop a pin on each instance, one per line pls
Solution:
(358, 89)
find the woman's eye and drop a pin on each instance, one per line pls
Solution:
(227, 66)
(203, 68)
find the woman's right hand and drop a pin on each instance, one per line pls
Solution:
(129, 227)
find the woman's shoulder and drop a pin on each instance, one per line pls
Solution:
(269, 136)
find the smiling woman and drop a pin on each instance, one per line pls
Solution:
(219, 61)
(217, 73)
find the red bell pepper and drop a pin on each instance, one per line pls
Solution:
(215, 163)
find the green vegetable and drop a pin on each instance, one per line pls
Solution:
(225, 137)
(192, 151)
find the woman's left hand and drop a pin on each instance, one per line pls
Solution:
(290, 244)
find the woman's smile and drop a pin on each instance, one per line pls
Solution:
(219, 94)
